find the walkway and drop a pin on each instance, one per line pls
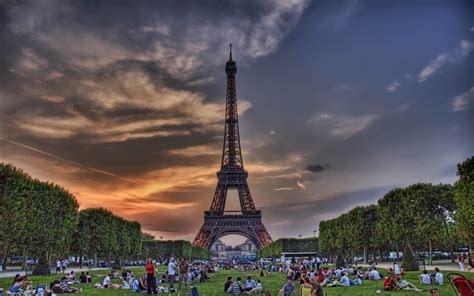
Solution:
(12, 271)
(443, 265)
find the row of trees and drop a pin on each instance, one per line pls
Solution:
(420, 217)
(42, 220)
(101, 234)
(178, 248)
(289, 245)
(37, 218)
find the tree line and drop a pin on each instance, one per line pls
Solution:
(42, 220)
(161, 249)
(421, 217)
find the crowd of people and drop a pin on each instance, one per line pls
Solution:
(305, 277)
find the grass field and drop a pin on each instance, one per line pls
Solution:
(272, 283)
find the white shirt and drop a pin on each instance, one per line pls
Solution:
(439, 278)
(375, 275)
(396, 269)
(345, 281)
(106, 281)
(58, 263)
(425, 278)
(171, 268)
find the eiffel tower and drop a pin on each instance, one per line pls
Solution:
(232, 176)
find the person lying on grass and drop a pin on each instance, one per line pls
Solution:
(65, 286)
(406, 286)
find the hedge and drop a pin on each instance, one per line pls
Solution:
(179, 248)
(288, 245)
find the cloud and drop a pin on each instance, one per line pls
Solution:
(316, 168)
(154, 111)
(301, 185)
(393, 86)
(462, 102)
(284, 189)
(342, 126)
(454, 56)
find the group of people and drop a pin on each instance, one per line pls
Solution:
(21, 284)
(182, 273)
(238, 287)
(395, 281)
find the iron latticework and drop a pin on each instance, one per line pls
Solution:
(232, 176)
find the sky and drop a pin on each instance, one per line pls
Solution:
(122, 102)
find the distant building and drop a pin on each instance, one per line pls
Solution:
(223, 251)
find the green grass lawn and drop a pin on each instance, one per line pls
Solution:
(272, 283)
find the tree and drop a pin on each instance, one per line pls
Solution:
(28, 208)
(464, 199)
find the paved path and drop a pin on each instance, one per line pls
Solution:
(12, 272)
(444, 265)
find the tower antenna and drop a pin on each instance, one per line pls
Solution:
(230, 51)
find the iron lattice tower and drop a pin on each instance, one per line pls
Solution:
(232, 176)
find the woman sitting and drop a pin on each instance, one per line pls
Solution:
(390, 283)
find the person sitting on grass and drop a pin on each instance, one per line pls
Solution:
(390, 283)
(16, 284)
(257, 289)
(437, 277)
(71, 278)
(83, 278)
(107, 283)
(424, 278)
(67, 289)
(288, 289)
(344, 281)
(374, 274)
(249, 284)
(89, 277)
(228, 285)
(237, 287)
(327, 273)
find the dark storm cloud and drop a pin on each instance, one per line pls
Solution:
(317, 168)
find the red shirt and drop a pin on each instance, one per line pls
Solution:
(150, 269)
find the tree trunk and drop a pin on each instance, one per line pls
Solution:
(431, 252)
(24, 259)
(365, 254)
(398, 251)
(48, 258)
(5, 256)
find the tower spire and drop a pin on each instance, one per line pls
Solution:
(230, 52)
